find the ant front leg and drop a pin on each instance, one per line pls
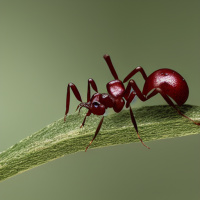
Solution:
(97, 131)
(92, 83)
(76, 93)
(169, 101)
(88, 114)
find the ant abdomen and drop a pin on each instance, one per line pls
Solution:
(170, 82)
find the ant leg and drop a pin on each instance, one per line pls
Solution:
(130, 98)
(169, 101)
(83, 123)
(135, 126)
(92, 83)
(110, 65)
(76, 93)
(137, 69)
(97, 131)
(133, 85)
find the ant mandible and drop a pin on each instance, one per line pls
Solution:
(166, 82)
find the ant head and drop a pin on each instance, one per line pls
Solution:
(95, 107)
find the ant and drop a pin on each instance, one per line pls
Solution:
(166, 82)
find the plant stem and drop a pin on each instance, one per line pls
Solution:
(61, 138)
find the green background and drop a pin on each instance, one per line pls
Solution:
(44, 45)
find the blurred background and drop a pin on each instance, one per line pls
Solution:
(44, 45)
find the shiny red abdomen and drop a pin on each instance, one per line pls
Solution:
(171, 83)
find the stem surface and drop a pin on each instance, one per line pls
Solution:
(61, 138)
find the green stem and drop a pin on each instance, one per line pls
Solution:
(59, 138)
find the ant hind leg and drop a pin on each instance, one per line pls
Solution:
(169, 101)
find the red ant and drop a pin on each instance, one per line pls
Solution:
(166, 82)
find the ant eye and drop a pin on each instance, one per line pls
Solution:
(96, 104)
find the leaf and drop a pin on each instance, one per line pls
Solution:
(61, 138)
